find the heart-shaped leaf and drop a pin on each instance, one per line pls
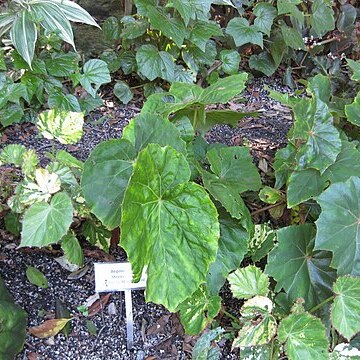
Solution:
(162, 214)
(46, 224)
(298, 269)
(345, 311)
(338, 227)
(304, 337)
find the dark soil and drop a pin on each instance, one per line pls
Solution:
(158, 334)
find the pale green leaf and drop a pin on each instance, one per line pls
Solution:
(203, 350)
(13, 154)
(355, 67)
(304, 337)
(65, 126)
(23, 35)
(74, 12)
(161, 213)
(53, 19)
(46, 224)
(199, 310)
(352, 111)
(36, 277)
(248, 282)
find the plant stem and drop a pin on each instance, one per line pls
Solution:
(232, 317)
(266, 208)
(332, 297)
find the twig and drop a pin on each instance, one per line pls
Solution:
(266, 208)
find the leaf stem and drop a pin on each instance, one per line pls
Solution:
(266, 208)
(332, 297)
(232, 317)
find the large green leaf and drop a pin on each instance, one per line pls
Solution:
(304, 185)
(64, 102)
(105, 177)
(263, 62)
(265, 14)
(292, 37)
(304, 337)
(248, 282)
(95, 74)
(147, 128)
(133, 28)
(153, 63)
(74, 12)
(352, 111)
(53, 19)
(171, 27)
(62, 64)
(65, 126)
(192, 9)
(244, 33)
(347, 163)
(13, 325)
(168, 224)
(321, 139)
(202, 32)
(345, 311)
(233, 173)
(46, 224)
(338, 225)
(232, 249)
(23, 35)
(298, 269)
(199, 310)
(322, 19)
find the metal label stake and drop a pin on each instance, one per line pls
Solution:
(129, 319)
(112, 277)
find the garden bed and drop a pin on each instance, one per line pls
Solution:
(158, 334)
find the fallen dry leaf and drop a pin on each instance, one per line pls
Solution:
(99, 305)
(48, 328)
(34, 356)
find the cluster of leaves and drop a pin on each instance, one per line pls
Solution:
(182, 41)
(38, 72)
(48, 200)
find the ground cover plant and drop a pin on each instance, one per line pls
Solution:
(181, 204)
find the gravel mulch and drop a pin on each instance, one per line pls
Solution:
(158, 334)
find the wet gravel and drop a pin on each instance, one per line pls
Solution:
(263, 134)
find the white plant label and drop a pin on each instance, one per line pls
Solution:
(116, 277)
(111, 277)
